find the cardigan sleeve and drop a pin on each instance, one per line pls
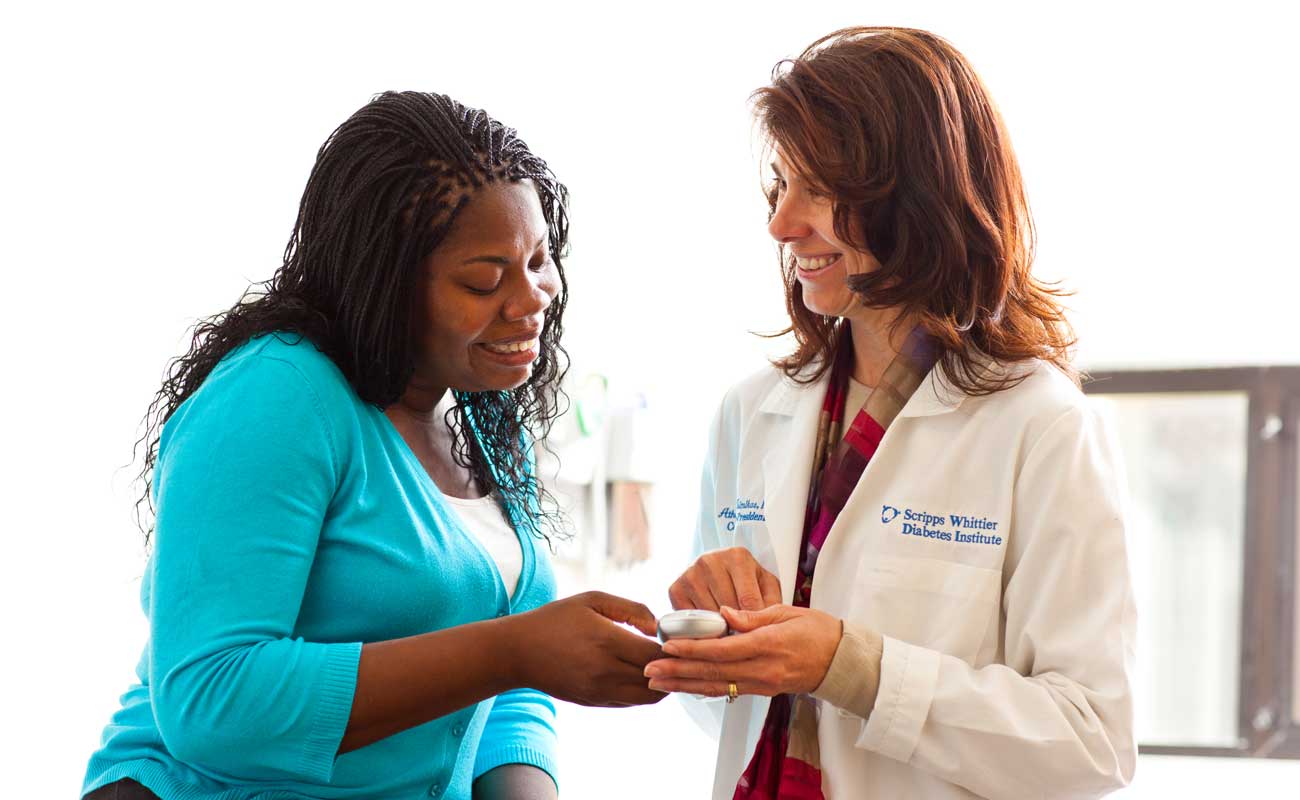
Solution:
(246, 472)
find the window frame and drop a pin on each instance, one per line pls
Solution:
(1268, 717)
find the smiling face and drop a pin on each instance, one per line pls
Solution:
(487, 287)
(804, 224)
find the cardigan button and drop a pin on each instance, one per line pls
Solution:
(435, 790)
(459, 730)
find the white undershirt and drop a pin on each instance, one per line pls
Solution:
(485, 522)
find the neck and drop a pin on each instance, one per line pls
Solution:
(876, 341)
(422, 402)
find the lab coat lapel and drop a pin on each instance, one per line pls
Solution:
(931, 398)
(787, 472)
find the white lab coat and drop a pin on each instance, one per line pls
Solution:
(1008, 659)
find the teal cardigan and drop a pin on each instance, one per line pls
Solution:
(293, 524)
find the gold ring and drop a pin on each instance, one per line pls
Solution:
(732, 692)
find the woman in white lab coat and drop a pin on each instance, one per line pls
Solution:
(913, 523)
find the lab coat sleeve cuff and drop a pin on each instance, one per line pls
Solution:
(854, 674)
(908, 675)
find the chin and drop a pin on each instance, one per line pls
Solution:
(505, 380)
(826, 306)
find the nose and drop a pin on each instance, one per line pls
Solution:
(789, 222)
(533, 296)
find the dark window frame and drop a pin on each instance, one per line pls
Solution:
(1267, 725)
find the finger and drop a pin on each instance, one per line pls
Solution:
(639, 695)
(720, 585)
(699, 596)
(679, 596)
(770, 587)
(630, 693)
(684, 594)
(729, 648)
(682, 669)
(745, 621)
(622, 610)
(748, 593)
(636, 651)
(693, 590)
(637, 692)
(706, 688)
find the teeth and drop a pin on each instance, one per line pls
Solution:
(513, 347)
(814, 264)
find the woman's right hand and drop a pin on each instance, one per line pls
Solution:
(730, 577)
(577, 650)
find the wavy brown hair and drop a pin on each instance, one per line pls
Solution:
(894, 124)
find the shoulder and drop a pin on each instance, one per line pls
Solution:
(1040, 387)
(756, 407)
(277, 382)
(765, 389)
(287, 353)
(282, 366)
(1043, 400)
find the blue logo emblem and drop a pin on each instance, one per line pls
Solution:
(887, 514)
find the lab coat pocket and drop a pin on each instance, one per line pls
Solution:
(940, 605)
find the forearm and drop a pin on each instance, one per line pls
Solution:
(515, 782)
(402, 683)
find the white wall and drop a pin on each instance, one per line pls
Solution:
(153, 157)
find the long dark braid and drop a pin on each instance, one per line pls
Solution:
(386, 187)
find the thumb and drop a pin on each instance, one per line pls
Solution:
(622, 610)
(745, 621)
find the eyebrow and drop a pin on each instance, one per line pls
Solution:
(501, 260)
(777, 170)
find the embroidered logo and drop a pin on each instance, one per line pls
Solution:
(946, 528)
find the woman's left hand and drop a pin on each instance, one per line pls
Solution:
(778, 650)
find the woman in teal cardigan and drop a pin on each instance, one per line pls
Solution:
(347, 592)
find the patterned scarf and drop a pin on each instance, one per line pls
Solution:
(787, 761)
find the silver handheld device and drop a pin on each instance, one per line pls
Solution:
(692, 624)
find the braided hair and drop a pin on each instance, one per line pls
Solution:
(385, 190)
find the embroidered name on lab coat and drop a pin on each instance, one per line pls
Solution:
(947, 528)
(744, 510)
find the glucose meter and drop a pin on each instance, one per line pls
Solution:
(692, 624)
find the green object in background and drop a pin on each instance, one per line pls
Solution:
(591, 403)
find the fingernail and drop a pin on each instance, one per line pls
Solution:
(651, 671)
(655, 686)
(670, 648)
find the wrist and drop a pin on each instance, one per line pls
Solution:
(508, 652)
(853, 678)
(828, 653)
